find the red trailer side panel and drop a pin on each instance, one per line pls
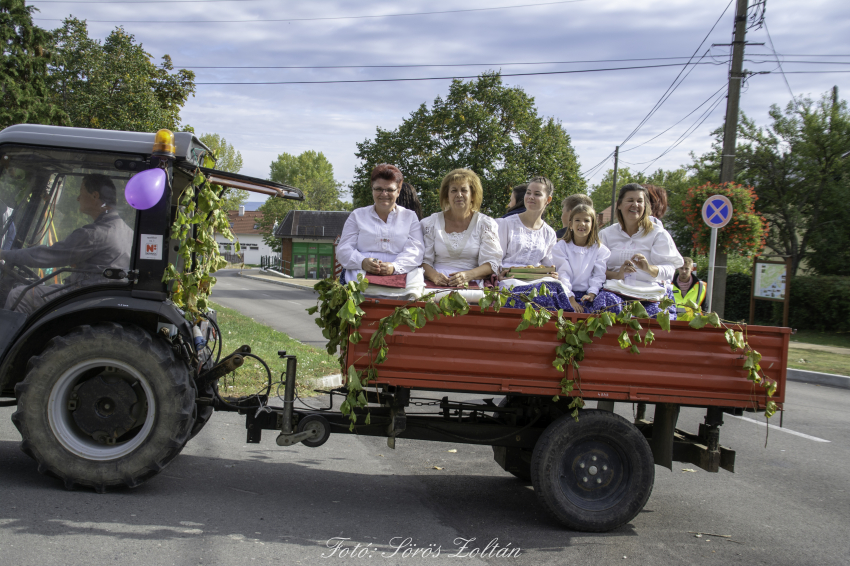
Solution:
(482, 352)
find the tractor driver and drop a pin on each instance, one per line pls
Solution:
(106, 242)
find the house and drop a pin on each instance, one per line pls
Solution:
(246, 230)
(307, 242)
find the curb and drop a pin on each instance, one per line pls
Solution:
(275, 282)
(818, 378)
(330, 381)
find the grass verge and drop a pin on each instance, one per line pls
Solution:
(238, 329)
(815, 360)
(840, 339)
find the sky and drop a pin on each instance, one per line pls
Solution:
(599, 110)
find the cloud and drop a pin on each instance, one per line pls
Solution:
(598, 109)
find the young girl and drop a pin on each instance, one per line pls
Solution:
(526, 239)
(580, 259)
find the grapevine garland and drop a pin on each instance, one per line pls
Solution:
(200, 206)
(340, 317)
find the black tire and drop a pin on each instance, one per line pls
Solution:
(515, 461)
(105, 405)
(202, 413)
(595, 474)
(321, 430)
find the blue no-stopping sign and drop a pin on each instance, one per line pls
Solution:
(717, 211)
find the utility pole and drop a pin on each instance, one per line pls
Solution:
(730, 134)
(614, 190)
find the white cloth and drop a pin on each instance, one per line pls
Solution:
(523, 246)
(657, 245)
(645, 292)
(461, 251)
(580, 268)
(365, 235)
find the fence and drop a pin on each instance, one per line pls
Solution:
(274, 262)
(234, 258)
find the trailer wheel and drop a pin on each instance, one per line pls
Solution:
(595, 474)
(105, 405)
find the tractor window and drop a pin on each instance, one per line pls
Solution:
(63, 221)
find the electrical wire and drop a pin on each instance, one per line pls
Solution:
(447, 78)
(779, 63)
(325, 18)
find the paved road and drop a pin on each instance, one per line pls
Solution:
(282, 308)
(224, 502)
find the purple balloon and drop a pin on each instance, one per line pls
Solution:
(145, 188)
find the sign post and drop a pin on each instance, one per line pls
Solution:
(716, 213)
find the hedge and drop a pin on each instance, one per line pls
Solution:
(817, 303)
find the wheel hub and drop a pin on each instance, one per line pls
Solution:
(593, 475)
(104, 408)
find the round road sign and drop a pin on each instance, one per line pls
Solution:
(717, 211)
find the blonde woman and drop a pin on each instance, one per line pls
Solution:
(461, 244)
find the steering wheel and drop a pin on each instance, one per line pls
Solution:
(20, 273)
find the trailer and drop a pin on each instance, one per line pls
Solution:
(594, 472)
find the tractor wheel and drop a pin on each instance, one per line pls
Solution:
(594, 474)
(104, 405)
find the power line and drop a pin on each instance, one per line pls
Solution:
(674, 85)
(772, 48)
(723, 86)
(318, 19)
(446, 78)
(529, 63)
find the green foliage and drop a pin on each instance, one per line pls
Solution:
(801, 179)
(482, 125)
(200, 216)
(227, 158)
(808, 293)
(340, 317)
(314, 175)
(25, 51)
(115, 85)
(744, 234)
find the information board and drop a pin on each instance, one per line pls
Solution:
(769, 280)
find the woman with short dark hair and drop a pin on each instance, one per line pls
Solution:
(383, 239)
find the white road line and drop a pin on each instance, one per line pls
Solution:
(774, 427)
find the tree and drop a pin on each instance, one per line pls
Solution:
(482, 125)
(227, 159)
(25, 51)
(796, 167)
(115, 85)
(314, 175)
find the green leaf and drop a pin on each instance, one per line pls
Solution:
(714, 320)
(368, 418)
(663, 319)
(698, 321)
(624, 339)
(634, 349)
(639, 311)
(582, 335)
(649, 337)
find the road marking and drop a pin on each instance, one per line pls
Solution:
(788, 430)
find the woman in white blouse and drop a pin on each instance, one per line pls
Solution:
(638, 245)
(525, 238)
(383, 239)
(461, 244)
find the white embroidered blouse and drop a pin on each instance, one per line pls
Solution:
(398, 240)
(657, 245)
(523, 246)
(460, 251)
(580, 268)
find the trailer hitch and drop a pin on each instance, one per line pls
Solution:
(288, 436)
(222, 368)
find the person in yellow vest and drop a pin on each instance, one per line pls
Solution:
(687, 286)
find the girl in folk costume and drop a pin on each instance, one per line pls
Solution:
(580, 259)
(526, 239)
